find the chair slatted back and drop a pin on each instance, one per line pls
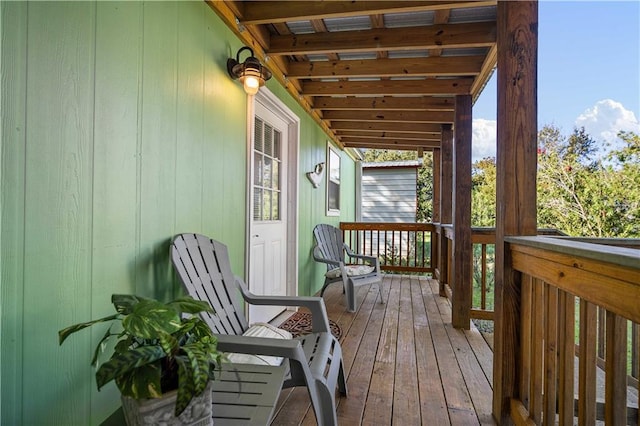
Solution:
(205, 270)
(329, 242)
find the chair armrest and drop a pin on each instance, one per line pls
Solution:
(318, 258)
(319, 317)
(353, 254)
(285, 348)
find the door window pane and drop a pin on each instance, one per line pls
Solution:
(266, 171)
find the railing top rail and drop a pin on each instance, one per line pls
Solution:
(482, 231)
(387, 226)
(633, 243)
(621, 256)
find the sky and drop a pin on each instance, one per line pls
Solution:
(588, 73)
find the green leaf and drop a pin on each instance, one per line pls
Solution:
(201, 330)
(186, 387)
(122, 363)
(100, 346)
(190, 305)
(123, 345)
(66, 332)
(151, 318)
(124, 303)
(169, 344)
(142, 382)
(199, 363)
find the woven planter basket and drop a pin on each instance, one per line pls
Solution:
(160, 411)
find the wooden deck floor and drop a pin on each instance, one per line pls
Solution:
(405, 363)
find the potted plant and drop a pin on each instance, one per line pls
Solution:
(158, 353)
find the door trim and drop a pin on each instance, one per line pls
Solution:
(275, 105)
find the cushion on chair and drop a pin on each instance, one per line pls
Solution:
(260, 329)
(352, 271)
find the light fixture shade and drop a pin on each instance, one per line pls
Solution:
(251, 73)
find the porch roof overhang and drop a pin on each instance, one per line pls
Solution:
(373, 74)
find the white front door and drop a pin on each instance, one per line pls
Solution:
(268, 238)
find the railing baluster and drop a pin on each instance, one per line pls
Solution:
(432, 250)
(537, 360)
(393, 247)
(415, 245)
(636, 351)
(587, 367)
(551, 354)
(566, 337)
(616, 370)
(483, 279)
(526, 325)
(601, 331)
(400, 249)
(635, 345)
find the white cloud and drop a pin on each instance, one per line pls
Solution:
(483, 143)
(605, 119)
(602, 122)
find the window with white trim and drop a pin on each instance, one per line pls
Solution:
(333, 181)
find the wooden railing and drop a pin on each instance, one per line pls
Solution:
(401, 247)
(483, 240)
(570, 287)
(484, 243)
(574, 290)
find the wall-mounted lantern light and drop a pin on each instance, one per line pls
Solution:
(251, 73)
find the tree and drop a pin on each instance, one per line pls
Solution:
(579, 192)
(483, 193)
(621, 185)
(584, 195)
(565, 167)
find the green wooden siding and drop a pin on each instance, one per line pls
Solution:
(119, 129)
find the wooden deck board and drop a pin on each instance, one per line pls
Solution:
(477, 384)
(404, 362)
(459, 403)
(406, 400)
(433, 405)
(379, 404)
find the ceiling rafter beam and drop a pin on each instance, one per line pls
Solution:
(453, 66)
(382, 126)
(391, 116)
(263, 12)
(385, 103)
(445, 86)
(478, 34)
(394, 148)
(488, 66)
(389, 144)
(390, 135)
(440, 17)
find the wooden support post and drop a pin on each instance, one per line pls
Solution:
(517, 39)
(446, 191)
(435, 216)
(462, 247)
(435, 212)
